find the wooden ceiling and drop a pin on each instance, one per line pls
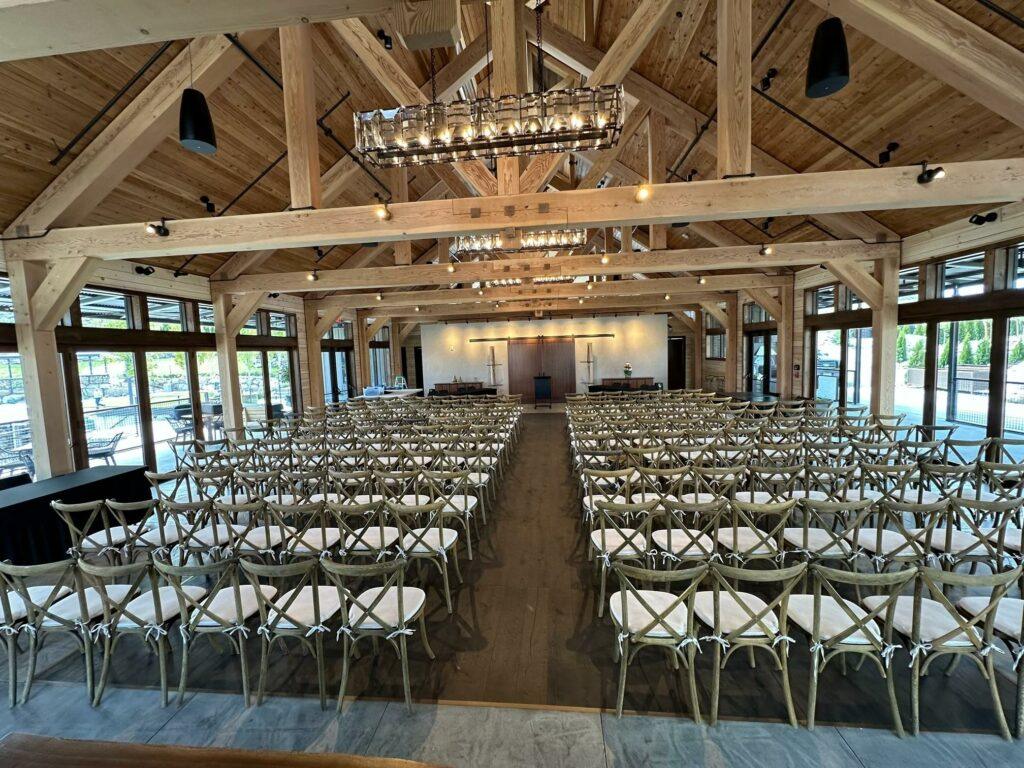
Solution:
(47, 101)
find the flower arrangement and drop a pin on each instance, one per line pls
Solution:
(627, 370)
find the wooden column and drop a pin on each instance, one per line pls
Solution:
(733, 87)
(227, 363)
(786, 329)
(508, 43)
(732, 343)
(656, 170)
(45, 397)
(698, 352)
(300, 115)
(395, 347)
(883, 338)
(313, 355)
(360, 350)
(400, 194)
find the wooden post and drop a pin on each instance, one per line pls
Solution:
(300, 115)
(732, 343)
(883, 338)
(400, 194)
(395, 347)
(45, 397)
(733, 87)
(423, 25)
(227, 363)
(698, 351)
(509, 75)
(313, 355)
(785, 326)
(656, 170)
(360, 350)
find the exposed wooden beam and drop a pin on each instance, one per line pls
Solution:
(406, 331)
(857, 278)
(135, 132)
(716, 311)
(58, 291)
(649, 304)
(985, 181)
(687, 322)
(300, 115)
(701, 259)
(508, 73)
(884, 319)
(400, 194)
(733, 87)
(656, 136)
(243, 310)
(733, 350)
(426, 25)
(34, 28)
(770, 304)
(630, 42)
(374, 327)
(961, 236)
(685, 120)
(673, 286)
(946, 45)
(469, 62)
(378, 61)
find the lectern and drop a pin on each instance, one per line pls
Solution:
(541, 390)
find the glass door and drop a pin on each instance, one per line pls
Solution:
(828, 346)
(858, 366)
(1013, 400)
(110, 408)
(170, 404)
(962, 376)
(762, 364)
(252, 385)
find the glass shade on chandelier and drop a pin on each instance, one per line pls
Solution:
(538, 240)
(574, 119)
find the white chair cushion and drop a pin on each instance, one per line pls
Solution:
(590, 502)
(819, 541)
(679, 540)
(302, 608)
(386, 610)
(144, 606)
(702, 497)
(315, 539)
(935, 619)
(223, 604)
(479, 478)
(645, 497)
(1009, 612)
(731, 613)
(834, 620)
(640, 617)
(618, 544)
(37, 594)
(892, 541)
(367, 498)
(68, 608)
(959, 541)
(263, 538)
(434, 540)
(215, 534)
(461, 503)
(157, 538)
(758, 497)
(803, 493)
(118, 534)
(746, 540)
(374, 538)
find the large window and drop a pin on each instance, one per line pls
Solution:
(279, 369)
(911, 347)
(858, 366)
(1013, 402)
(165, 314)
(963, 276)
(104, 309)
(170, 404)
(828, 353)
(962, 376)
(111, 413)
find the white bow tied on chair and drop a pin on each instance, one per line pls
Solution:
(889, 651)
(239, 629)
(317, 629)
(918, 649)
(717, 639)
(154, 630)
(403, 631)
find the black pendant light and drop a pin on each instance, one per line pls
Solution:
(828, 69)
(195, 126)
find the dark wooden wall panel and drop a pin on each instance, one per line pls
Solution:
(530, 357)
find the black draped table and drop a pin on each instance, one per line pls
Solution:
(31, 532)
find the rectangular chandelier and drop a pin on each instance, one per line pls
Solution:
(537, 240)
(574, 119)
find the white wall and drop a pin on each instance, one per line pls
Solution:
(641, 340)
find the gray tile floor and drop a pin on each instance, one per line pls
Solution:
(481, 736)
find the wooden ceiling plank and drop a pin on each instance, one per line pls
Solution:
(527, 268)
(136, 131)
(733, 152)
(945, 44)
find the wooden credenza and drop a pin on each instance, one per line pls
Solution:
(457, 386)
(632, 382)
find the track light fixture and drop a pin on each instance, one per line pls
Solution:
(643, 193)
(144, 270)
(605, 259)
(581, 299)
(160, 230)
(828, 68)
(886, 154)
(979, 219)
(313, 276)
(416, 308)
(590, 286)
(385, 38)
(766, 81)
(273, 295)
(379, 297)
(767, 223)
(207, 204)
(383, 212)
(667, 297)
(480, 292)
(928, 175)
(451, 267)
(701, 280)
(195, 126)
(766, 250)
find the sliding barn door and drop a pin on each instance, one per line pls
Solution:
(531, 357)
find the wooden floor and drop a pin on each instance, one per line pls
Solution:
(525, 632)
